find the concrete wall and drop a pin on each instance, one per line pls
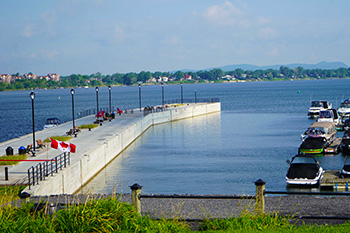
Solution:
(72, 178)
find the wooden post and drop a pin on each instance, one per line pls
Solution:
(135, 200)
(259, 197)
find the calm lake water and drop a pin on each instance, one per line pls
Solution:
(257, 131)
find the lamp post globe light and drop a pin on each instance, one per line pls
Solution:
(72, 93)
(96, 89)
(110, 104)
(32, 97)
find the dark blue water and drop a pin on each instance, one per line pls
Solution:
(257, 131)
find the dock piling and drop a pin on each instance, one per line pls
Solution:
(259, 197)
(135, 199)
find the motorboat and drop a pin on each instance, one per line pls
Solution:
(345, 171)
(345, 143)
(317, 106)
(51, 122)
(313, 145)
(344, 108)
(304, 170)
(317, 138)
(329, 115)
(321, 129)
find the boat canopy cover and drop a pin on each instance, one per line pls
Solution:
(313, 143)
(302, 170)
(53, 121)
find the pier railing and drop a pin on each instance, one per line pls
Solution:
(49, 167)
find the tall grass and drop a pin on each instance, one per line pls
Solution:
(10, 193)
(108, 215)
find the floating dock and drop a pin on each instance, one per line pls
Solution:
(332, 181)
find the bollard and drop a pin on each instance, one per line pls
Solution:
(24, 197)
(6, 173)
(259, 197)
(135, 200)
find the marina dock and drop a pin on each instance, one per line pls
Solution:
(331, 181)
(95, 148)
(334, 147)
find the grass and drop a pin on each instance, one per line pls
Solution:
(10, 193)
(59, 138)
(108, 215)
(12, 157)
(87, 126)
(111, 215)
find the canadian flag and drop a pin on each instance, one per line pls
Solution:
(62, 146)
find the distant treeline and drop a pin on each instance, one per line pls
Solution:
(214, 75)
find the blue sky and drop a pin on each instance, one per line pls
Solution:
(121, 36)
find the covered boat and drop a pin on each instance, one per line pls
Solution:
(330, 115)
(316, 107)
(321, 129)
(313, 145)
(304, 170)
(51, 122)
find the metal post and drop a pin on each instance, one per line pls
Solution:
(6, 173)
(182, 94)
(195, 97)
(259, 197)
(110, 104)
(72, 92)
(96, 89)
(162, 96)
(32, 96)
(140, 96)
(135, 199)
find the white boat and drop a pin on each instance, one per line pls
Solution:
(304, 170)
(317, 106)
(51, 122)
(344, 108)
(321, 130)
(330, 115)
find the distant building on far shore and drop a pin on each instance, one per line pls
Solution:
(7, 78)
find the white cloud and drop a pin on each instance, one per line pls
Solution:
(49, 18)
(267, 33)
(49, 54)
(28, 31)
(225, 15)
(119, 35)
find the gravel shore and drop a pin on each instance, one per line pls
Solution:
(308, 209)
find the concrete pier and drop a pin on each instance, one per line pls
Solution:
(95, 148)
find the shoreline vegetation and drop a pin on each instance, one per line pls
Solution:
(148, 78)
(113, 215)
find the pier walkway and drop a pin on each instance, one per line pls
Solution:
(85, 141)
(94, 149)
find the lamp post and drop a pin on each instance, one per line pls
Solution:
(72, 92)
(96, 89)
(32, 96)
(195, 97)
(110, 105)
(140, 96)
(162, 95)
(182, 94)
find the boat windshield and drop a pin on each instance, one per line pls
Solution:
(303, 160)
(345, 104)
(316, 104)
(325, 114)
(317, 130)
(52, 121)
